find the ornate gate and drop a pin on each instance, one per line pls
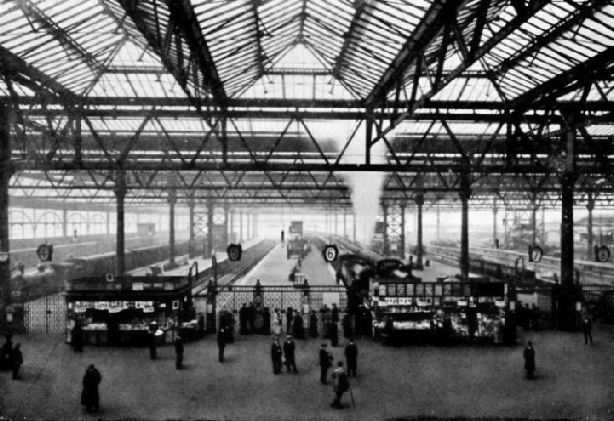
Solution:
(46, 314)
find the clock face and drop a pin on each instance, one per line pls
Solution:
(603, 254)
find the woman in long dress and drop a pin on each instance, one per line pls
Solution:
(277, 323)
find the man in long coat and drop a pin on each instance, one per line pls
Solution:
(178, 352)
(351, 357)
(276, 354)
(342, 385)
(326, 361)
(529, 360)
(221, 344)
(89, 396)
(289, 348)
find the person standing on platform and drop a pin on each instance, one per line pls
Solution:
(529, 360)
(347, 325)
(351, 357)
(326, 362)
(276, 353)
(5, 353)
(16, 358)
(587, 328)
(342, 385)
(243, 319)
(289, 354)
(298, 325)
(178, 352)
(77, 337)
(221, 344)
(89, 396)
(277, 330)
(313, 324)
(151, 342)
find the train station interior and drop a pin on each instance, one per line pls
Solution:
(184, 182)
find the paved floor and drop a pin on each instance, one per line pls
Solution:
(574, 381)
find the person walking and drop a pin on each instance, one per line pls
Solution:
(221, 344)
(16, 358)
(151, 342)
(289, 349)
(276, 353)
(529, 360)
(348, 332)
(587, 328)
(351, 356)
(89, 396)
(342, 384)
(178, 352)
(326, 362)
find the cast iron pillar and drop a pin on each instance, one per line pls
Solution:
(354, 226)
(345, 234)
(172, 200)
(569, 293)
(255, 224)
(209, 248)
(534, 208)
(120, 244)
(192, 241)
(240, 215)
(419, 264)
(495, 211)
(465, 195)
(6, 172)
(248, 226)
(589, 229)
(402, 247)
(386, 246)
(226, 224)
(438, 229)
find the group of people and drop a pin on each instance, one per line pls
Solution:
(288, 351)
(11, 357)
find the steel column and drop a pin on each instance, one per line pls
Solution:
(225, 239)
(172, 200)
(209, 248)
(6, 171)
(589, 240)
(402, 249)
(120, 195)
(419, 264)
(386, 246)
(495, 211)
(192, 241)
(465, 195)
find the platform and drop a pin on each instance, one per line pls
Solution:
(275, 268)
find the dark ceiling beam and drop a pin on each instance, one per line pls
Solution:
(349, 36)
(422, 36)
(261, 56)
(575, 78)
(284, 105)
(286, 115)
(183, 12)
(516, 23)
(20, 71)
(443, 165)
(582, 12)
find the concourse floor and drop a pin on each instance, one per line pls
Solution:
(574, 381)
(275, 268)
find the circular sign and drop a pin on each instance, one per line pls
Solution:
(234, 252)
(603, 254)
(44, 252)
(537, 253)
(331, 252)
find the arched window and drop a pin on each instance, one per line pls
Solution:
(49, 225)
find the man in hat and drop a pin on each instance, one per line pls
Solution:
(326, 361)
(529, 360)
(221, 344)
(289, 349)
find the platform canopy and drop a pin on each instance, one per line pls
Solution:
(277, 102)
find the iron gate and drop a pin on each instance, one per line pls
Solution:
(46, 314)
